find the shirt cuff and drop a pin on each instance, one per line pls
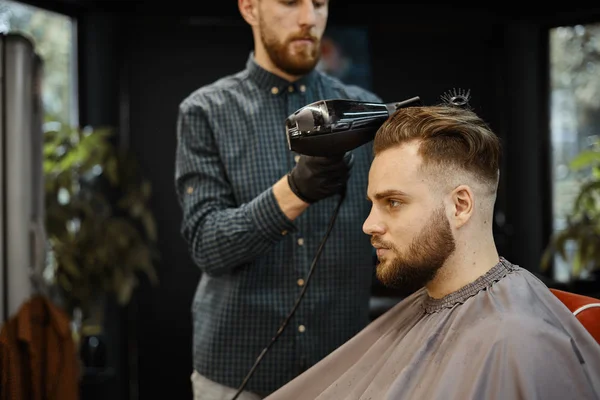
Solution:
(271, 222)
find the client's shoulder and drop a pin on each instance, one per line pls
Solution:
(518, 333)
(518, 304)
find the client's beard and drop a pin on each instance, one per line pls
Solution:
(412, 269)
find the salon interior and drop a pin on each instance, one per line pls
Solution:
(92, 79)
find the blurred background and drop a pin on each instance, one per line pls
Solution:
(111, 76)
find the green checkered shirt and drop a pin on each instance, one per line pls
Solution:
(231, 149)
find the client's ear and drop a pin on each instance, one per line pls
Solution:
(463, 203)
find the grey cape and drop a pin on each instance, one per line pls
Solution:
(504, 336)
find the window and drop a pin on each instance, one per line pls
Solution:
(54, 38)
(574, 115)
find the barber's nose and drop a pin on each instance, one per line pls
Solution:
(308, 16)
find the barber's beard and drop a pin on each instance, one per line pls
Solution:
(413, 268)
(296, 63)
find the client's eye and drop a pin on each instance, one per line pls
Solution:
(394, 203)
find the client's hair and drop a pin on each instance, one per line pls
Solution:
(452, 139)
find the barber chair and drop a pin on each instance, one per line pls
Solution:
(586, 310)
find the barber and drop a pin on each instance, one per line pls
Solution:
(254, 214)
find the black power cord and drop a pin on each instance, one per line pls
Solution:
(291, 314)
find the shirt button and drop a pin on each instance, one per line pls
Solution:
(301, 328)
(300, 282)
(275, 90)
(302, 88)
(297, 158)
(300, 242)
(290, 89)
(284, 233)
(190, 190)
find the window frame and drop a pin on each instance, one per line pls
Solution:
(546, 145)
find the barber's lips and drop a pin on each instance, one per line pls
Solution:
(303, 41)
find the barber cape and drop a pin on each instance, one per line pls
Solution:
(504, 336)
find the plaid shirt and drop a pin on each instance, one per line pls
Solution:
(231, 149)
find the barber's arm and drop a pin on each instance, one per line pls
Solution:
(221, 234)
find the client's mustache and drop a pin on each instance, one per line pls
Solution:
(377, 242)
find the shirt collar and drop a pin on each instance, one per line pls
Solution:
(276, 84)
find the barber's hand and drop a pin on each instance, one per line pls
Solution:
(315, 178)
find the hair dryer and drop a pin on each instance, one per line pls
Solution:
(332, 127)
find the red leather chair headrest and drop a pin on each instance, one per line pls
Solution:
(586, 309)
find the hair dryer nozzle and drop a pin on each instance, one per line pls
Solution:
(332, 127)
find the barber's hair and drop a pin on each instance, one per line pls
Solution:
(450, 138)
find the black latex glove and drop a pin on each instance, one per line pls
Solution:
(315, 178)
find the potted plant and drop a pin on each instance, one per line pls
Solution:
(100, 232)
(579, 242)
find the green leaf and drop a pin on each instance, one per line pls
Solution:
(112, 171)
(586, 192)
(64, 283)
(149, 225)
(585, 159)
(136, 209)
(577, 264)
(146, 190)
(48, 166)
(547, 257)
(69, 265)
(124, 284)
